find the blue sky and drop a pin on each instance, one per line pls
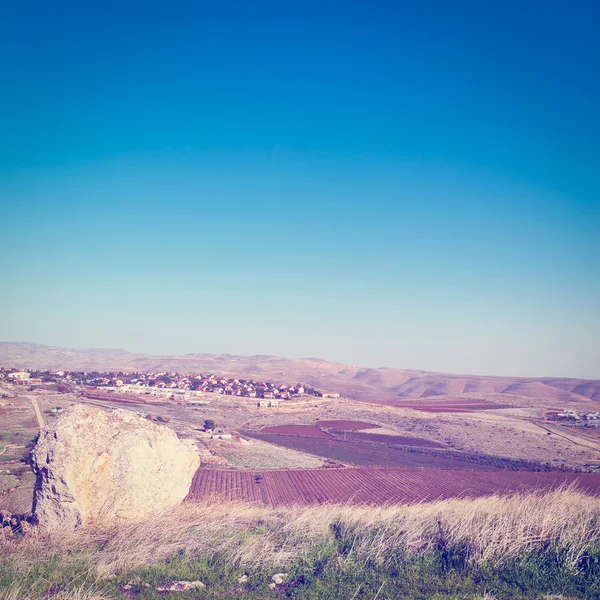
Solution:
(383, 184)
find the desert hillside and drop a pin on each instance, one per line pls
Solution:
(353, 382)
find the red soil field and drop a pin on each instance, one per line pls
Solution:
(364, 454)
(345, 425)
(461, 406)
(224, 485)
(371, 485)
(452, 406)
(398, 440)
(111, 398)
(442, 409)
(301, 430)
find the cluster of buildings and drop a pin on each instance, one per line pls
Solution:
(22, 377)
(177, 386)
(575, 419)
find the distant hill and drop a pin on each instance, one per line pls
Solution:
(353, 382)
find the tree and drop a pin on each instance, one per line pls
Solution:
(209, 424)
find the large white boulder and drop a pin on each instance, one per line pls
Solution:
(95, 466)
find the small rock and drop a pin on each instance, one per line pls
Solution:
(7, 531)
(27, 528)
(272, 585)
(243, 579)
(180, 586)
(132, 583)
(279, 578)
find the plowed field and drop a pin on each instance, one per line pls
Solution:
(345, 431)
(371, 485)
(359, 453)
(112, 398)
(225, 485)
(398, 440)
(301, 430)
(345, 425)
(467, 405)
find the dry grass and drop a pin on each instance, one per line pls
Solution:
(260, 455)
(493, 529)
(83, 592)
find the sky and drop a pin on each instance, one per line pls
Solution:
(400, 184)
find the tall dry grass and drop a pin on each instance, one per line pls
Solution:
(79, 592)
(492, 529)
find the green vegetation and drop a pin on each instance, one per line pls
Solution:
(15, 471)
(533, 546)
(328, 573)
(13, 436)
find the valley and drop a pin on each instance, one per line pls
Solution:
(483, 441)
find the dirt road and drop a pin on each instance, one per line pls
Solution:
(573, 438)
(38, 414)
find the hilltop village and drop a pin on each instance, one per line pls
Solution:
(170, 385)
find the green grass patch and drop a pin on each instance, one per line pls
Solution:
(328, 573)
(14, 436)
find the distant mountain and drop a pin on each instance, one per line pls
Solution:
(353, 382)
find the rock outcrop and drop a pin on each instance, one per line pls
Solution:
(94, 466)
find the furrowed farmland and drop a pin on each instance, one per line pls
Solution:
(226, 485)
(354, 448)
(362, 444)
(397, 440)
(363, 453)
(376, 486)
(300, 430)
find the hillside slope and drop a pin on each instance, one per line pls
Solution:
(351, 381)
